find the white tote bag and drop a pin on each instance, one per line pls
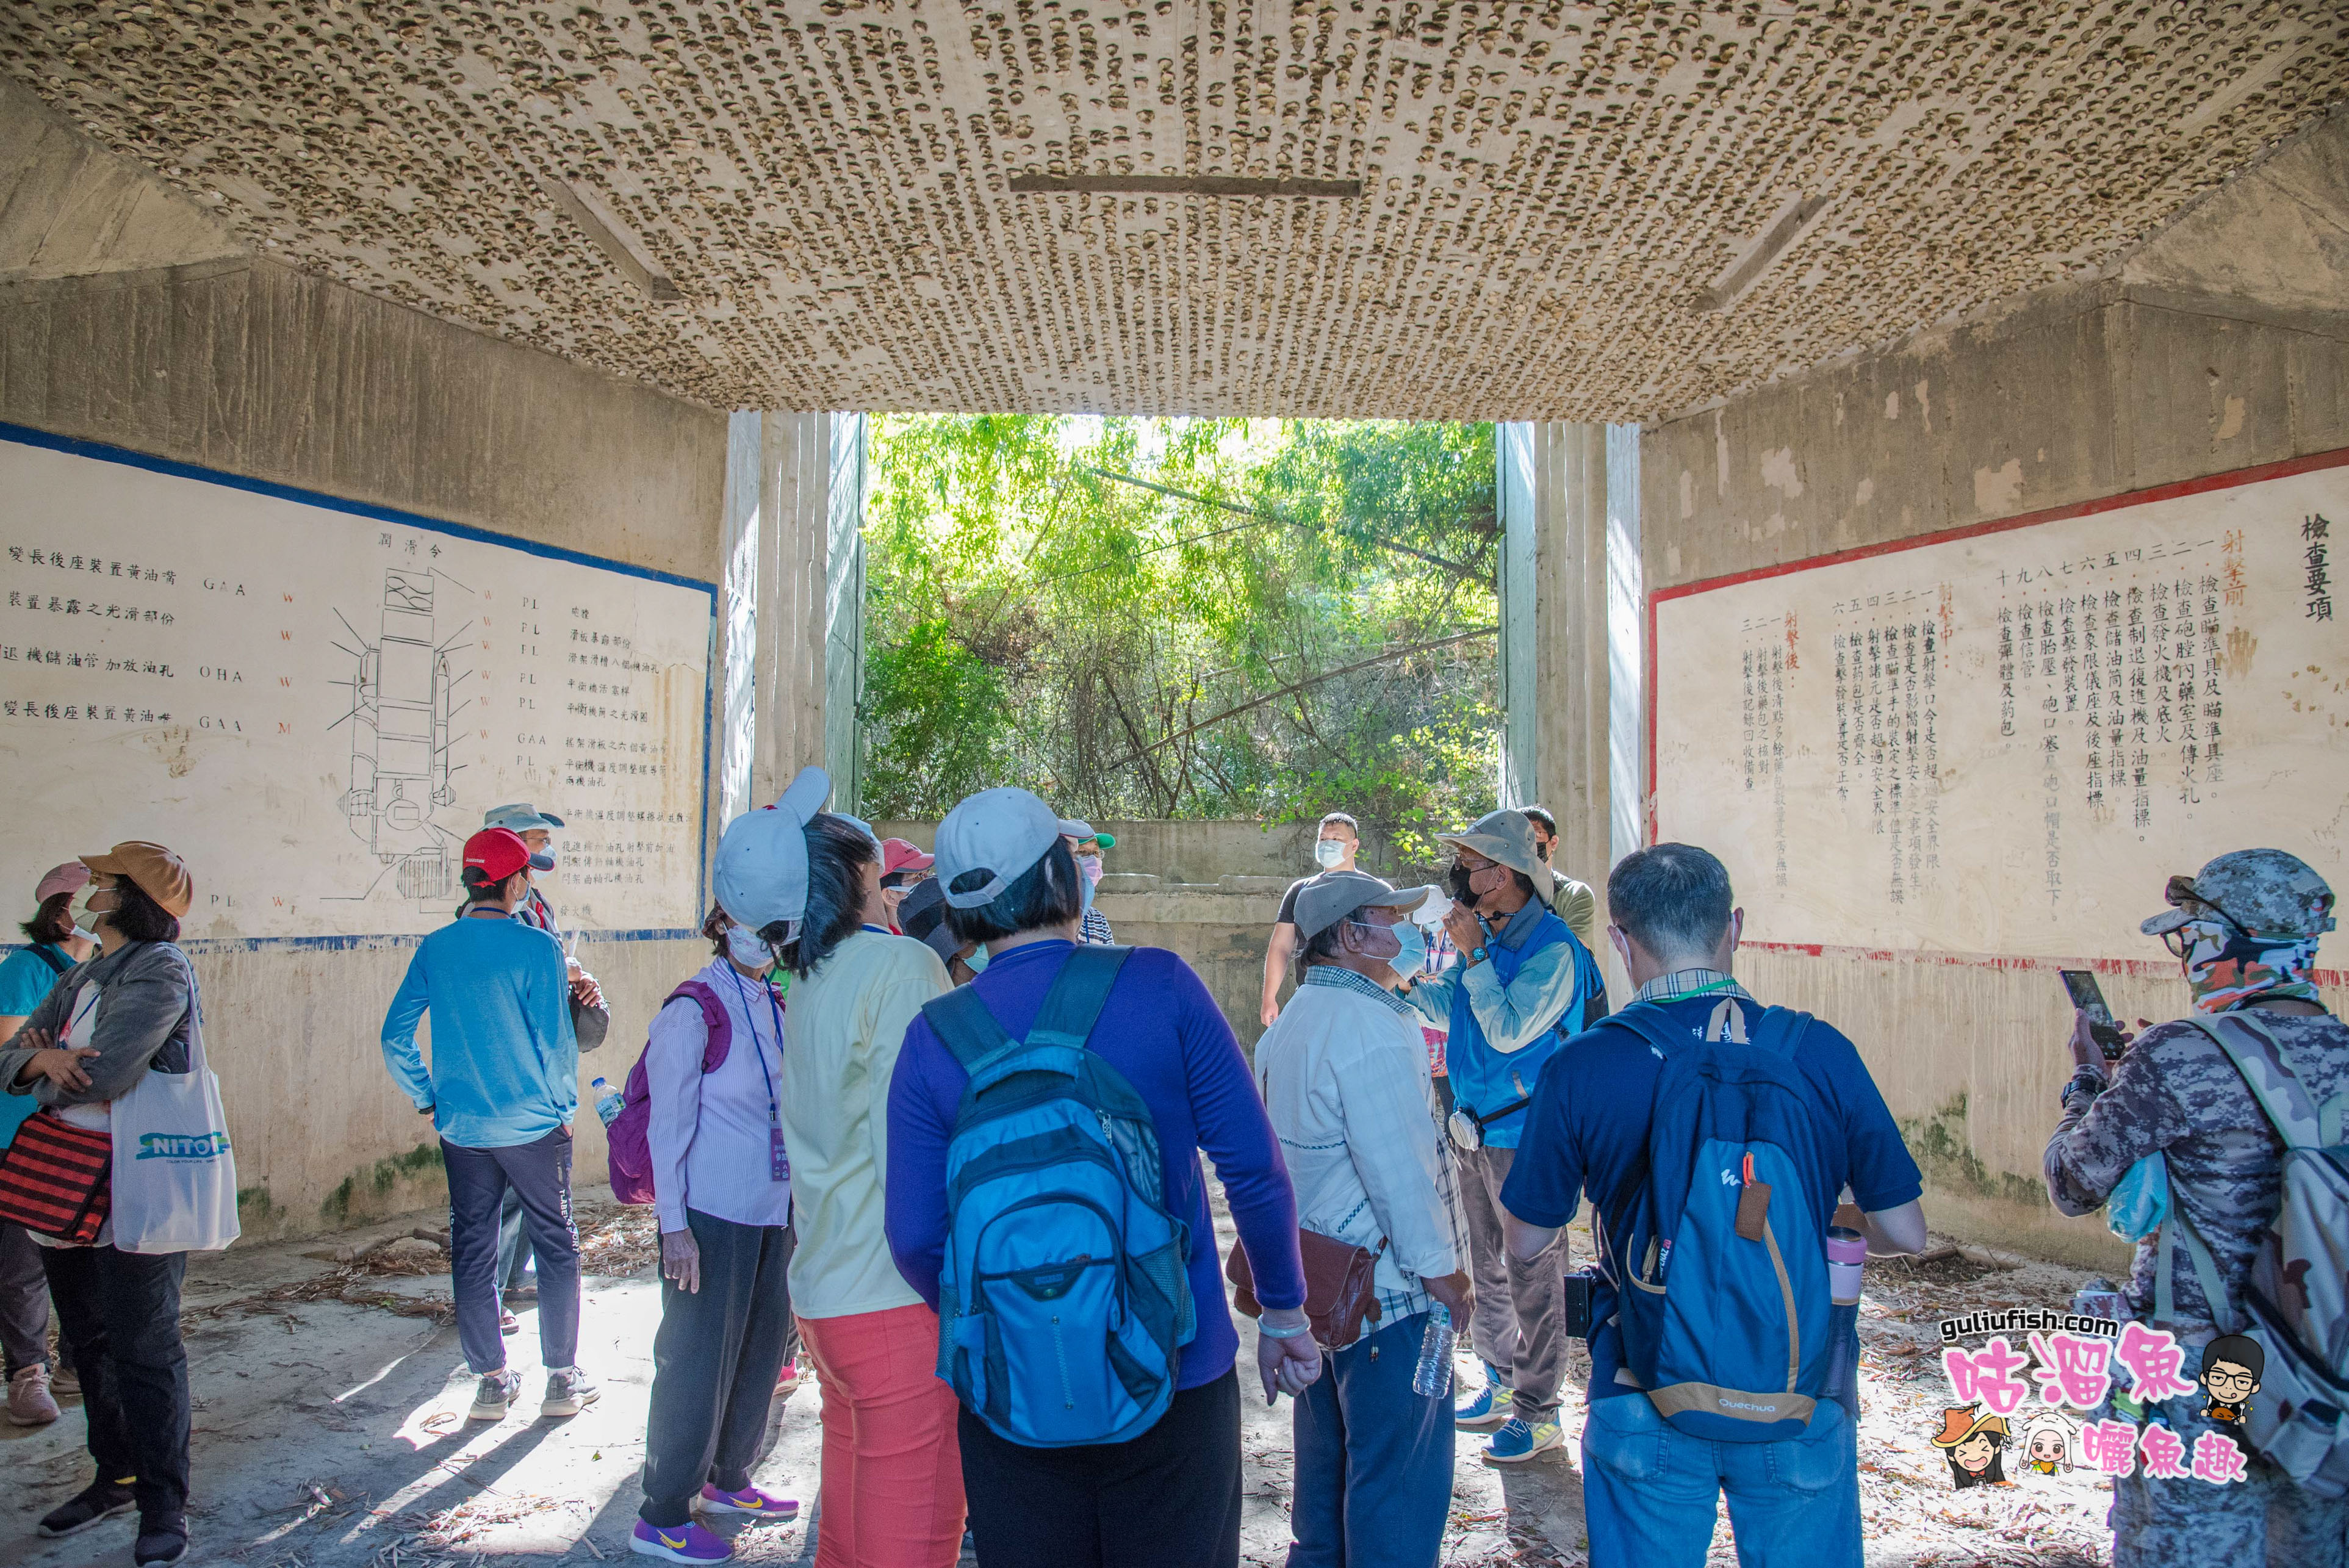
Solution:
(174, 1177)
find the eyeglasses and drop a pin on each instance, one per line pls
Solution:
(2180, 895)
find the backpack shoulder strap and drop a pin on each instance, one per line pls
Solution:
(1781, 1030)
(968, 1031)
(1648, 1021)
(2255, 1052)
(713, 1019)
(1077, 994)
(49, 956)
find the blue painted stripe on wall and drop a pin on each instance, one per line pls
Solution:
(128, 459)
(347, 943)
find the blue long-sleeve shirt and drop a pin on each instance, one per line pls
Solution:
(505, 1065)
(1164, 1033)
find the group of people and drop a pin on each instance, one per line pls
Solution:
(918, 1118)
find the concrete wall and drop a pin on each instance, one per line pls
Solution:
(127, 317)
(2224, 342)
(1208, 890)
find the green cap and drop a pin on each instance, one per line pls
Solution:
(2266, 892)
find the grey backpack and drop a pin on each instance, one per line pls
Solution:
(2296, 1301)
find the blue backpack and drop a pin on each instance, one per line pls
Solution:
(1717, 1249)
(1065, 1300)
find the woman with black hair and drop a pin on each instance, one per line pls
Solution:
(892, 1487)
(1172, 1495)
(91, 1040)
(26, 975)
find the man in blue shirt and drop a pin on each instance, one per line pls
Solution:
(1521, 984)
(501, 1090)
(1648, 1490)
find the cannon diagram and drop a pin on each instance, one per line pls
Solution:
(403, 701)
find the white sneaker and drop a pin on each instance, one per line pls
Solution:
(568, 1392)
(497, 1390)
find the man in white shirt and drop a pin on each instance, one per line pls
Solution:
(1344, 1075)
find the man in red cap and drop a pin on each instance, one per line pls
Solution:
(501, 1090)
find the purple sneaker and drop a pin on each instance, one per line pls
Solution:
(751, 1501)
(687, 1543)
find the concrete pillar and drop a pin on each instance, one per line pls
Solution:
(1571, 611)
(791, 627)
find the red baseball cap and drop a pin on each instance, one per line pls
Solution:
(496, 852)
(900, 855)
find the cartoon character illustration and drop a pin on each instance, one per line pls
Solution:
(1972, 1440)
(2231, 1366)
(2048, 1446)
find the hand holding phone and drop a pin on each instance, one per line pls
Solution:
(2109, 1039)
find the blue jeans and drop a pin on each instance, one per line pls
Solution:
(1649, 1491)
(479, 1180)
(1374, 1458)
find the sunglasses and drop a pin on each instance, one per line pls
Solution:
(2179, 893)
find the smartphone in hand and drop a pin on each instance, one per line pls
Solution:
(2089, 998)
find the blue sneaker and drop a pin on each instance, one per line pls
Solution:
(1518, 1441)
(1493, 1404)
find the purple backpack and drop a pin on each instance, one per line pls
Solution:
(627, 1138)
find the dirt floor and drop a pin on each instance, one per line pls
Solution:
(330, 1432)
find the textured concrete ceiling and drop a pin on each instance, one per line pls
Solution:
(1552, 193)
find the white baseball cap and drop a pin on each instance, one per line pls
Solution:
(1002, 833)
(762, 870)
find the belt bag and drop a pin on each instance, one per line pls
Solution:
(1468, 1128)
(1338, 1294)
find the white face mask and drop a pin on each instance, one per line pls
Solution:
(747, 948)
(1331, 852)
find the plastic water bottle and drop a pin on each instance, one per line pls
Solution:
(1432, 1378)
(608, 1103)
(1846, 1254)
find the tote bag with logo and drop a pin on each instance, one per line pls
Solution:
(174, 1177)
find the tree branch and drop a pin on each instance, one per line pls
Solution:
(1454, 567)
(1143, 752)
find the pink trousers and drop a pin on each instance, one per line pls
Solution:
(892, 1489)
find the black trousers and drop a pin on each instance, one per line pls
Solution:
(1169, 1499)
(118, 1327)
(714, 1361)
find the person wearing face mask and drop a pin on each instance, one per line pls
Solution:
(2244, 930)
(1334, 849)
(903, 869)
(103, 1026)
(1572, 901)
(722, 1194)
(892, 1479)
(28, 975)
(591, 1019)
(1523, 983)
(1087, 846)
(1345, 1079)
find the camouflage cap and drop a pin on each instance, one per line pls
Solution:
(2265, 892)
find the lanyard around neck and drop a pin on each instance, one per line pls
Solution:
(774, 1107)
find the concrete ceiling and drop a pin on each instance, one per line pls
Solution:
(807, 205)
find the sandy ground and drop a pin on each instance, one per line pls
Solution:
(329, 1432)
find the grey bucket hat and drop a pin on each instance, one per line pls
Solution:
(1506, 836)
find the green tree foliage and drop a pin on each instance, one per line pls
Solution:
(1184, 618)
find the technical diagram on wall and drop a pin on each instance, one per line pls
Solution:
(403, 705)
(315, 703)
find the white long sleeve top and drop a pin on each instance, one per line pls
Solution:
(1343, 1072)
(711, 1133)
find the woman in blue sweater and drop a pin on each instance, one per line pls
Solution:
(1171, 1496)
